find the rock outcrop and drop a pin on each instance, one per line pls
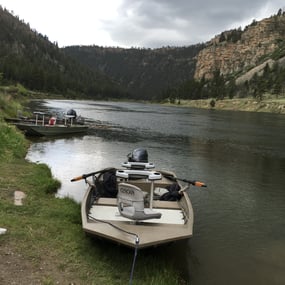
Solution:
(236, 51)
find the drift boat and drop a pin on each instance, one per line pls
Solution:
(40, 128)
(137, 206)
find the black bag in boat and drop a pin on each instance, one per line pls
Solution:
(172, 194)
(108, 186)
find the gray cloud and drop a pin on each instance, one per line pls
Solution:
(156, 23)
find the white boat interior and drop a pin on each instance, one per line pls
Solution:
(107, 209)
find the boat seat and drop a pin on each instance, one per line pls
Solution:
(131, 203)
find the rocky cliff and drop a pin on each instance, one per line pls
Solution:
(237, 51)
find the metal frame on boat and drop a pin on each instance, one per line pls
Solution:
(137, 216)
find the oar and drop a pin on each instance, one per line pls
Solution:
(192, 182)
(84, 176)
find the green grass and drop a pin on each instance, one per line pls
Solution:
(12, 143)
(51, 227)
(9, 105)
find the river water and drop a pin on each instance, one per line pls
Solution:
(239, 225)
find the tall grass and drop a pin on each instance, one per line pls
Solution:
(12, 144)
(9, 106)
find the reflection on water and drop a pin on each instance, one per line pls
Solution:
(239, 226)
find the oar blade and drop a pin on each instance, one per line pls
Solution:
(199, 184)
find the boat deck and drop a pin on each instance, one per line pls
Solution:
(106, 209)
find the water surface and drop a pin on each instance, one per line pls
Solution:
(239, 226)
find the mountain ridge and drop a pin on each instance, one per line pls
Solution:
(234, 63)
(236, 51)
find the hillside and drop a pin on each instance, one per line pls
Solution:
(235, 63)
(236, 51)
(145, 73)
(28, 57)
(240, 63)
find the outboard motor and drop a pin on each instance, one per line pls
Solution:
(138, 155)
(71, 112)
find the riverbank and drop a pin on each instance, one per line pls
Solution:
(268, 105)
(44, 242)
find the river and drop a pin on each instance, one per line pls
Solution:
(239, 225)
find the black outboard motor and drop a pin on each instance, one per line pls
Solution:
(138, 155)
(71, 112)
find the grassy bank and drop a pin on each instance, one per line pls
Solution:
(44, 243)
(268, 104)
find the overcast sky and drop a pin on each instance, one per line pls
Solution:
(138, 23)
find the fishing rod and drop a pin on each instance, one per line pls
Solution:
(84, 176)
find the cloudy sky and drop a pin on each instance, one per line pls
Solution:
(138, 23)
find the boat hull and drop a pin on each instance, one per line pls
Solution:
(47, 130)
(102, 219)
